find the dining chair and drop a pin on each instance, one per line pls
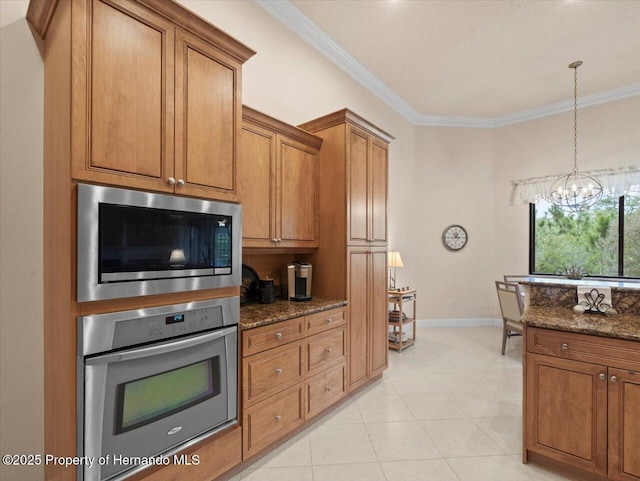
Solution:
(512, 307)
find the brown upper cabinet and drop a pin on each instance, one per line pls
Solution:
(366, 160)
(155, 97)
(277, 183)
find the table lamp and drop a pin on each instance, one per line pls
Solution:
(394, 261)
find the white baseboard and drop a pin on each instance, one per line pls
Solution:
(459, 322)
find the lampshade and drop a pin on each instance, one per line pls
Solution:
(394, 259)
(177, 257)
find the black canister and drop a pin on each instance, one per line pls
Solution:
(266, 291)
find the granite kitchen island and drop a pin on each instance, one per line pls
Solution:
(582, 381)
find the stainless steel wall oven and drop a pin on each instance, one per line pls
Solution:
(133, 243)
(153, 381)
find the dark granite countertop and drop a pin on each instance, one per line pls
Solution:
(620, 326)
(256, 315)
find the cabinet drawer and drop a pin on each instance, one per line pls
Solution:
(272, 371)
(268, 421)
(325, 389)
(581, 347)
(325, 350)
(325, 320)
(274, 335)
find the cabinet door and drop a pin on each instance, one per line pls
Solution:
(567, 411)
(624, 425)
(378, 311)
(357, 183)
(297, 194)
(207, 119)
(357, 309)
(123, 97)
(378, 191)
(256, 185)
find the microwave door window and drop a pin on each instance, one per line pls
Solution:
(134, 239)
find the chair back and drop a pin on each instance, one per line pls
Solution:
(511, 303)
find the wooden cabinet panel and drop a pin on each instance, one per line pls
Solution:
(624, 425)
(325, 389)
(272, 371)
(358, 312)
(297, 217)
(326, 349)
(206, 120)
(378, 313)
(567, 411)
(128, 98)
(256, 185)
(358, 180)
(273, 335)
(325, 320)
(379, 182)
(268, 421)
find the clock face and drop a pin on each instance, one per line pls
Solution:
(454, 237)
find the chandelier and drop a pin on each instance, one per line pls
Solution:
(575, 191)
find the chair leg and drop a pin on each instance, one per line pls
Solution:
(504, 338)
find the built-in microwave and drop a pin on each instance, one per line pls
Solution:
(134, 243)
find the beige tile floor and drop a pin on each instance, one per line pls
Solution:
(447, 409)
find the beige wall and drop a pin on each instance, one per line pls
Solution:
(21, 363)
(438, 176)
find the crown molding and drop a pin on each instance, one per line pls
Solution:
(295, 20)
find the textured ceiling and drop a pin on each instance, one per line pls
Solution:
(486, 58)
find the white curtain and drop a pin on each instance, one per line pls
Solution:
(616, 182)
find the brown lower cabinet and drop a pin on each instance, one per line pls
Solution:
(582, 404)
(289, 376)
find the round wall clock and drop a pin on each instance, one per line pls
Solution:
(454, 237)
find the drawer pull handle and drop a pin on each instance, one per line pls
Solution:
(602, 376)
(278, 371)
(328, 388)
(278, 418)
(329, 321)
(278, 335)
(565, 345)
(614, 379)
(328, 350)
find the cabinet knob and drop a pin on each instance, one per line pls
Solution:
(180, 182)
(278, 240)
(274, 240)
(328, 388)
(565, 345)
(614, 379)
(278, 418)
(329, 321)
(278, 371)
(602, 376)
(171, 180)
(278, 335)
(328, 349)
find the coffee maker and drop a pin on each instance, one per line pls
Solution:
(299, 281)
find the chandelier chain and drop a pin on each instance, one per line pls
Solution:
(575, 119)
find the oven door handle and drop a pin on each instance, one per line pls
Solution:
(161, 349)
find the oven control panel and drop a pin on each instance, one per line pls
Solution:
(105, 332)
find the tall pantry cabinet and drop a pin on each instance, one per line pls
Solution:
(351, 261)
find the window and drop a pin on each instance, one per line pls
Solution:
(602, 241)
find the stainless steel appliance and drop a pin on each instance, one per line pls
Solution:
(153, 381)
(299, 281)
(133, 243)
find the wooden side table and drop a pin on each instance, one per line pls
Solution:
(398, 318)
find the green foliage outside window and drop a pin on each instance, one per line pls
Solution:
(588, 240)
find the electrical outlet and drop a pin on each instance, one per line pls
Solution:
(452, 301)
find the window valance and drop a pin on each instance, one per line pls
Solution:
(621, 181)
